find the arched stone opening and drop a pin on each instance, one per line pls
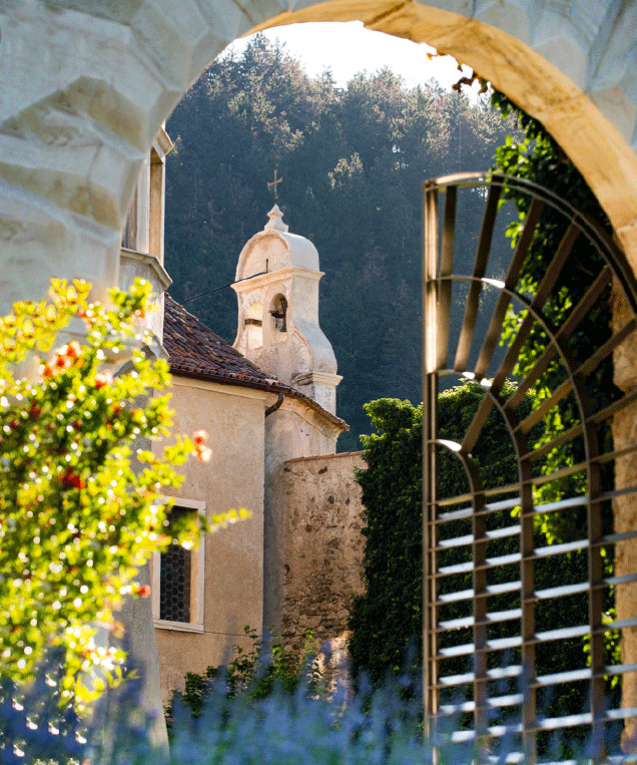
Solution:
(278, 311)
(254, 326)
(75, 129)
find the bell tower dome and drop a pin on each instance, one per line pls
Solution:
(277, 286)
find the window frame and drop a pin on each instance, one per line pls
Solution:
(197, 579)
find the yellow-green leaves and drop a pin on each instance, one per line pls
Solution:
(34, 326)
(78, 515)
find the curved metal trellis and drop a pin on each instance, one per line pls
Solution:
(534, 328)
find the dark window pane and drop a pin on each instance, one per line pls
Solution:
(175, 568)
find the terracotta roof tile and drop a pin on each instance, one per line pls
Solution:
(194, 350)
(193, 347)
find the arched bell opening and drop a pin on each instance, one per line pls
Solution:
(279, 320)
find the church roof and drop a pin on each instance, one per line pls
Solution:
(194, 350)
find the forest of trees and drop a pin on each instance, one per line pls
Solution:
(353, 161)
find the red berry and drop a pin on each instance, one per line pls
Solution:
(72, 481)
(103, 378)
(74, 349)
(204, 454)
(200, 436)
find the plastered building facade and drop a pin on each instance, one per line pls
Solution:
(262, 572)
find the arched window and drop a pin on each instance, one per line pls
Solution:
(278, 312)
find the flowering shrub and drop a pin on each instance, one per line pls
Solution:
(80, 510)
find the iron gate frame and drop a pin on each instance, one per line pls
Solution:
(438, 277)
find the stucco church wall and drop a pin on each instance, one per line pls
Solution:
(294, 430)
(322, 554)
(233, 580)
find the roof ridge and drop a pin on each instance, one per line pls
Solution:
(194, 350)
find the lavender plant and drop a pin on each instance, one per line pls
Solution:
(380, 726)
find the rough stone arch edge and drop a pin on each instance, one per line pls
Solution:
(117, 102)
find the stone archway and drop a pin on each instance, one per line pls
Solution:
(85, 88)
(84, 93)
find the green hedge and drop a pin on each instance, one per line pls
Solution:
(386, 621)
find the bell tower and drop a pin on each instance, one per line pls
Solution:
(277, 286)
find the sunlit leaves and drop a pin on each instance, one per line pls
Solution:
(80, 502)
(539, 158)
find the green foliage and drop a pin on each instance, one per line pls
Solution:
(388, 616)
(254, 673)
(387, 620)
(540, 159)
(80, 497)
(353, 161)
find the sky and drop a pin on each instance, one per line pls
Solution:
(349, 48)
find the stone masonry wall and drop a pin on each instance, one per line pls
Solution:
(323, 546)
(625, 513)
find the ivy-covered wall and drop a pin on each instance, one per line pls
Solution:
(387, 619)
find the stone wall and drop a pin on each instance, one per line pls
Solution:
(625, 511)
(293, 431)
(322, 546)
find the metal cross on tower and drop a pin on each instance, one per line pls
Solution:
(273, 186)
